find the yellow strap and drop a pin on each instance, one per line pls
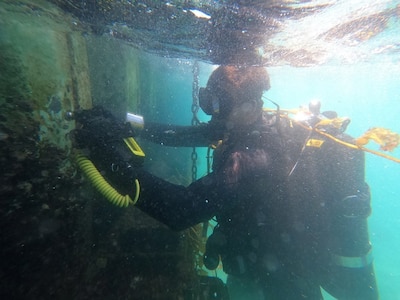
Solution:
(339, 141)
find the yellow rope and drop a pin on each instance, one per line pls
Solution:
(350, 145)
(339, 141)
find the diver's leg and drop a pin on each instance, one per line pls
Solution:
(291, 287)
(277, 287)
(352, 283)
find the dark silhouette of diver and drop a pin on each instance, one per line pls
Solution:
(291, 204)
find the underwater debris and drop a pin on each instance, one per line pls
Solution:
(387, 139)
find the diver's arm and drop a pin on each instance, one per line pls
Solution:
(181, 136)
(102, 140)
(177, 206)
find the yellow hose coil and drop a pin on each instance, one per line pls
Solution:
(112, 195)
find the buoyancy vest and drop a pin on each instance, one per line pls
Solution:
(284, 184)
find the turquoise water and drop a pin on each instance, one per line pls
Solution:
(367, 93)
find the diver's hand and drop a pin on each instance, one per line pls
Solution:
(102, 137)
(98, 128)
(104, 155)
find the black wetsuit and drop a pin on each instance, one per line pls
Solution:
(288, 202)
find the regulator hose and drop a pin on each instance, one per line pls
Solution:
(101, 184)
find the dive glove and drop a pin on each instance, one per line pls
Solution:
(106, 142)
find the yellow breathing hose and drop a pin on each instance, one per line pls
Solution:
(112, 195)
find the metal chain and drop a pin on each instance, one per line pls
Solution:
(195, 109)
(195, 94)
(196, 121)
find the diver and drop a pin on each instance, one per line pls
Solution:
(291, 203)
